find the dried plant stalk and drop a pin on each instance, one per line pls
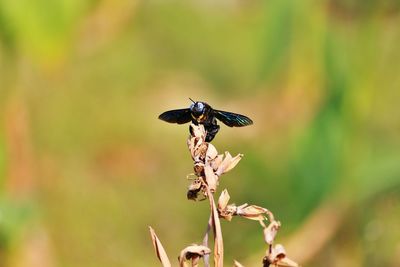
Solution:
(208, 167)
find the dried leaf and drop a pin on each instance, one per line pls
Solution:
(216, 162)
(225, 162)
(234, 162)
(271, 231)
(223, 200)
(228, 163)
(237, 264)
(212, 153)
(193, 253)
(160, 251)
(252, 212)
(225, 211)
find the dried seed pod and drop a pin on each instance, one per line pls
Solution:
(271, 231)
(198, 168)
(196, 190)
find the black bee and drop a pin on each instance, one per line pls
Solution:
(202, 113)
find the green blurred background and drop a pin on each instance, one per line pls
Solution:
(86, 166)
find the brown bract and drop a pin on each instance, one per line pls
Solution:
(271, 231)
(158, 247)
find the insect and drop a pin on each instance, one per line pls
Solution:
(202, 113)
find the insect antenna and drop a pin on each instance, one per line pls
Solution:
(192, 100)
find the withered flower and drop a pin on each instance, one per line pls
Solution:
(223, 200)
(193, 253)
(228, 163)
(226, 211)
(277, 257)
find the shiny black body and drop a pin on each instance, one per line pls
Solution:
(202, 113)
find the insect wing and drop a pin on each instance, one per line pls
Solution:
(179, 116)
(232, 119)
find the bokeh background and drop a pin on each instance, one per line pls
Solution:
(86, 166)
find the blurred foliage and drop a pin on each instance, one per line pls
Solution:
(13, 218)
(42, 29)
(89, 78)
